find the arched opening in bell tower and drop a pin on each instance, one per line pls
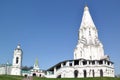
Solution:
(17, 60)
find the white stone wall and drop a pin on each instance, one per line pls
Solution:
(16, 71)
(2, 70)
(92, 70)
(68, 72)
(5, 70)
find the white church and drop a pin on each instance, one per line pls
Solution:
(89, 58)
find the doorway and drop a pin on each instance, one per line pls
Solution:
(76, 73)
(84, 73)
(101, 73)
(59, 76)
(93, 73)
(34, 74)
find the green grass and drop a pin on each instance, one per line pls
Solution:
(78, 79)
(7, 77)
(106, 78)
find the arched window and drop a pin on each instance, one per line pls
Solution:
(81, 54)
(89, 32)
(76, 73)
(101, 73)
(17, 59)
(84, 73)
(93, 73)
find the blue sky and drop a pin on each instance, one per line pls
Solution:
(48, 29)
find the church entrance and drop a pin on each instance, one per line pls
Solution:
(85, 73)
(59, 76)
(26, 76)
(76, 73)
(34, 74)
(40, 75)
(101, 73)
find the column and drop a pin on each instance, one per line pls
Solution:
(79, 62)
(87, 62)
(106, 62)
(61, 64)
(96, 63)
(54, 70)
(72, 63)
(103, 62)
(68, 63)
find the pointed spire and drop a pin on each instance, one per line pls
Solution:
(36, 62)
(87, 20)
(36, 65)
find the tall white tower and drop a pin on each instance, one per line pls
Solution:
(89, 46)
(17, 61)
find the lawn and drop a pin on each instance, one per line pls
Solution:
(7, 77)
(79, 79)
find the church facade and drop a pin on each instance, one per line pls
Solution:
(89, 58)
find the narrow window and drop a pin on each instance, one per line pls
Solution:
(89, 32)
(76, 62)
(93, 62)
(100, 62)
(81, 53)
(17, 59)
(93, 73)
(84, 62)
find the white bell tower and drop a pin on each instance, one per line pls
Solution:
(17, 61)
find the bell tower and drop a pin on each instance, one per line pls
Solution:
(17, 61)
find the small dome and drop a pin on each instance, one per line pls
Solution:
(18, 46)
(86, 8)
